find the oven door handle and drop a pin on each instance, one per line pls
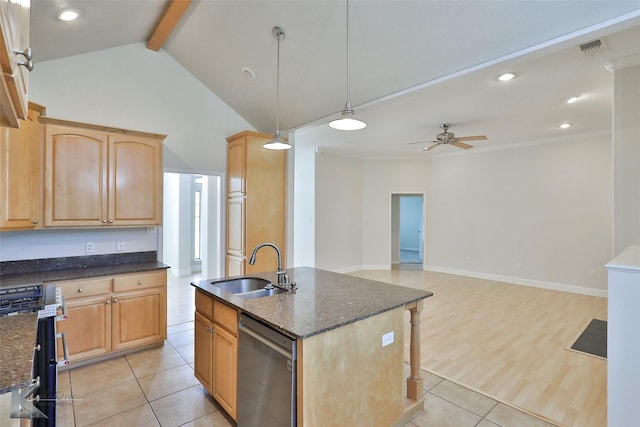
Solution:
(65, 350)
(63, 303)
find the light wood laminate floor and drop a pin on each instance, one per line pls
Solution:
(510, 342)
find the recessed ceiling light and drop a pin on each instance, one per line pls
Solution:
(573, 99)
(505, 77)
(565, 125)
(69, 15)
(248, 73)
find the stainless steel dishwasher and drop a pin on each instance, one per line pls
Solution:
(266, 376)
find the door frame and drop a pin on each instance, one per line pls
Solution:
(394, 219)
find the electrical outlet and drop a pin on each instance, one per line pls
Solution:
(593, 274)
(120, 245)
(518, 265)
(387, 339)
(90, 247)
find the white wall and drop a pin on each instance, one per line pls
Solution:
(545, 207)
(303, 241)
(21, 245)
(134, 88)
(178, 223)
(338, 216)
(626, 137)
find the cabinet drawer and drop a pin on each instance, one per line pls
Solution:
(204, 304)
(225, 316)
(132, 282)
(84, 288)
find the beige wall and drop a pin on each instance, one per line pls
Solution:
(547, 207)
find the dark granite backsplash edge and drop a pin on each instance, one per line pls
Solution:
(63, 263)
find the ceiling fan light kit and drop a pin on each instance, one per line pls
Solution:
(277, 143)
(347, 121)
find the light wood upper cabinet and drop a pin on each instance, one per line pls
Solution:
(21, 174)
(256, 194)
(14, 78)
(135, 180)
(95, 176)
(75, 177)
(236, 155)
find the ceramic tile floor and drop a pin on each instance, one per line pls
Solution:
(156, 387)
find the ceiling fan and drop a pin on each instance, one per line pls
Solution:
(447, 137)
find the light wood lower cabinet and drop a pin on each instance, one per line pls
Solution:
(87, 331)
(114, 313)
(216, 350)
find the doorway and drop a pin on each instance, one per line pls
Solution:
(192, 235)
(407, 222)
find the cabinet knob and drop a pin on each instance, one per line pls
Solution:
(139, 282)
(28, 65)
(79, 290)
(115, 300)
(27, 53)
(104, 221)
(108, 301)
(35, 221)
(110, 221)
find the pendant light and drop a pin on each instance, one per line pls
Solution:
(347, 121)
(277, 143)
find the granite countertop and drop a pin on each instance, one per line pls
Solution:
(34, 272)
(18, 333)
(323, 301)
(17, 341)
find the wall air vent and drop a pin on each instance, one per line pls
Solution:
(593, 47)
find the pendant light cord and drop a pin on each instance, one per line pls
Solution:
(348, 106)
(279, 34)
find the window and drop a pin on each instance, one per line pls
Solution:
(197, 220)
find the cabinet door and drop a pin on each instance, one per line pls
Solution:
(75, 169)
(135, 180)
(236, 163)
(138, 318)
(87, 331)
(14, 35)
(225, 369)
(235, 266)
(203, 351)
(20, 175)
(236, 226)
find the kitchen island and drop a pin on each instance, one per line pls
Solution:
(350, 345)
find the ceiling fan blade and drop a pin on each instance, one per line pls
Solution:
(472, 138)
(461, 145)
(431, 147)
(420, 142)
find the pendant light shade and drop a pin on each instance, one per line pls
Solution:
(348, 121)
(277, 143)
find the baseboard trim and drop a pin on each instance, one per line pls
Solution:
(521, 281)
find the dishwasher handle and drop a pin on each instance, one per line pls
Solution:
(265, 341)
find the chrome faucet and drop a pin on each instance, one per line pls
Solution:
(281, 275)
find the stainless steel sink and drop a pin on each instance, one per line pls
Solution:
(247, 287)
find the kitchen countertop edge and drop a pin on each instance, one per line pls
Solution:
(333, 300)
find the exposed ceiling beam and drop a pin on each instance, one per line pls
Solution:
(168, 22)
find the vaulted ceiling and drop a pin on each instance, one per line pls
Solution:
(413, 64)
